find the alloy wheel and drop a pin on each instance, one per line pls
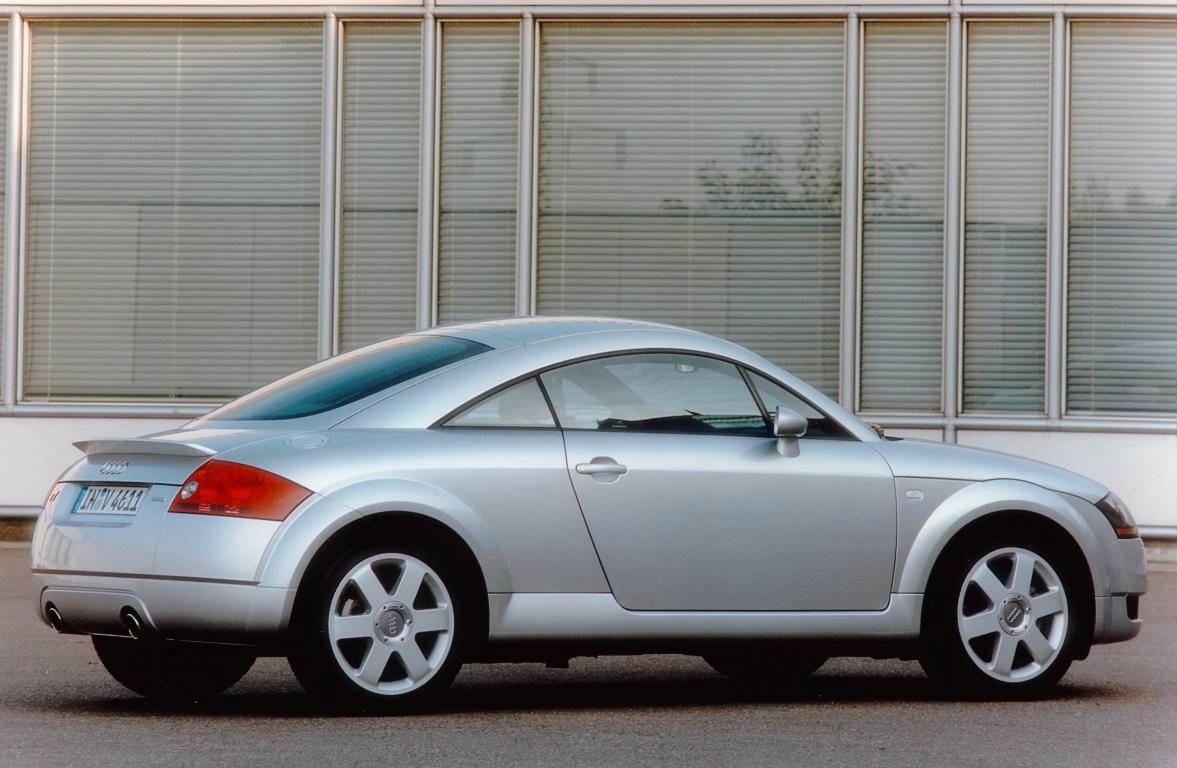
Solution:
(1012, 614)
(391, 623)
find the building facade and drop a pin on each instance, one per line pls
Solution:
(959, 219)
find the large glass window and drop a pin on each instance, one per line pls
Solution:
(350, 377)
(1007, 170)
(479, 170)
(173, 207)
(1122, 234)
(903, 123)
(381, 145)
(654, 393)
(690, 172)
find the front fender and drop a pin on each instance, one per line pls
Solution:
(295, 545)
(977, 500)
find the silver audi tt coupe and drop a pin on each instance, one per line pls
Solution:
(537, 489)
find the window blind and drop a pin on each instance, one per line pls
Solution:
(478, 171)
(173, 212)
(904, 113)
(691, 173)
(1122, 281)
(1007, 169)
(379, 181)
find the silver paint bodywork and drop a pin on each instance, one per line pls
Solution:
(703, 537)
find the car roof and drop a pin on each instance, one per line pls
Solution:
(514, 331)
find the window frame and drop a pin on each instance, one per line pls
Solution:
(444, 422)
(743, 368)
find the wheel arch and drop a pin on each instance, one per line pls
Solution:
(1000, 506)
(409, 524)
(990, 503)
(344, 511)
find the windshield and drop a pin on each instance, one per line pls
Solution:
(347, 378)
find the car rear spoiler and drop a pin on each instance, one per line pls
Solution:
(141, 446)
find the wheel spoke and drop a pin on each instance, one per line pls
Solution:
(410, 583)
(415, 662)
(431, 620)
(984, 623)
(1023, 573)
(1047, 603)
(370, 587)
(987, 580)
(374, 663)
(1003, 658)
(347, 627)
(1039, 647)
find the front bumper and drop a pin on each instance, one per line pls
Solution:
(181, 609)
(1116, 619)
(1117, 615)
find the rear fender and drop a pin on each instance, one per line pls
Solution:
(295, 546)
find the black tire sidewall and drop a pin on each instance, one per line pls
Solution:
(171, 671)
(943, 654)
(313, 659)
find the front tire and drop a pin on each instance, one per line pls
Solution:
(1002, 620)
(385, 629)
(173, 672)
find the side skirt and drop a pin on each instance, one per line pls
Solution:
(598, 618)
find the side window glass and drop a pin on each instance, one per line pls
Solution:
(773, 394)
(521, 405)
(654, 393)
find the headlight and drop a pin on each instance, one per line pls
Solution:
(1118, 515)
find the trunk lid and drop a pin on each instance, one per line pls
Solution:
(69, 538)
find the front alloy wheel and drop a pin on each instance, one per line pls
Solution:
(1002, 621)
(1013, 628)
(383, 631)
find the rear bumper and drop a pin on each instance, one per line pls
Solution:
(182, 609)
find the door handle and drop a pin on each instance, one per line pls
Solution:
(601, 466)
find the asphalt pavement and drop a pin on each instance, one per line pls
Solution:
(1117, 709)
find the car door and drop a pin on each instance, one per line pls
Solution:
(692, 507)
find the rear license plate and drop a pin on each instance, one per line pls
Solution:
(110, 499)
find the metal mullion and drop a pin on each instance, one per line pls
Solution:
(328, 188)
(952, 228)
(848, 338)
(533, 165)
(1057, 224)
(13, 210)
(858, 171)
(427, 181)
(523, 185)
(22, 206)
(337, 181)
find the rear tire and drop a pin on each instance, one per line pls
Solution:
(385, 629)
(766, 669)
(1002, 618)
(173, 672)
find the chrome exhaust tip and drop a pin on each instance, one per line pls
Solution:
(54, 616)
(132, 622)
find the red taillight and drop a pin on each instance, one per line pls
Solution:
(237, 490)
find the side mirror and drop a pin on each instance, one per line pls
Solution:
(788, 425)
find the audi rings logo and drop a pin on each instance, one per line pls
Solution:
(114, 467)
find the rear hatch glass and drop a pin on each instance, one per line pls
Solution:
(347, 378)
